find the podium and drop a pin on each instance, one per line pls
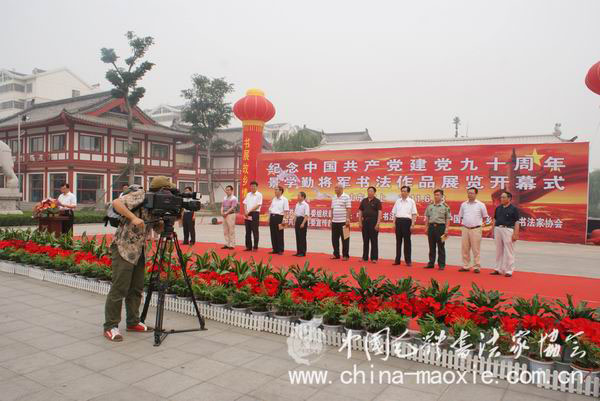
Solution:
(52, 224)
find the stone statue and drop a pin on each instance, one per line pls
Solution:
(7, 165)
(9, 196)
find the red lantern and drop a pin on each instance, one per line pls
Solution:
(254, 110)
(592, 79)
(254, 107)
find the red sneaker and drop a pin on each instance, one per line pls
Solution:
(141, 327)
(113, 335)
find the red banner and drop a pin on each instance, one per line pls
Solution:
(549, 182)
(251, 147)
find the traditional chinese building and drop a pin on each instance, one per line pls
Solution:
(83, 141)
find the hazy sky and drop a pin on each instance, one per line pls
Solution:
(402, 69)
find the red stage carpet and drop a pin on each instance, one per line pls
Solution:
(523, 284)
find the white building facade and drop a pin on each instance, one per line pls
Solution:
(19, 91)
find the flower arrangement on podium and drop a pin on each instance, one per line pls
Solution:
(46, 208)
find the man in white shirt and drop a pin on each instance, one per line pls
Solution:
(123, 189)
(252, 203)
(67, 202)
(301, 220)
(278, 214)
(472, 214)
(405, 215)
(340, 209)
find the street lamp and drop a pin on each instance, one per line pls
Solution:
(22, 119)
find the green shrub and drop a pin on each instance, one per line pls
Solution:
(218, 295)
(353, 319)
(332, 312)
(284, 305)
(260, 303)
(26, 219)
(240, 299)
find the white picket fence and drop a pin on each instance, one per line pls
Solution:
(502, 369)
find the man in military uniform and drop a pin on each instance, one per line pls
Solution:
(129, 260)
(437, 221)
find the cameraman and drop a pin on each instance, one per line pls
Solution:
(189, 222)
(129, 260)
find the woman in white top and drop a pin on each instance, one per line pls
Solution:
(302, 218)
(228, 208)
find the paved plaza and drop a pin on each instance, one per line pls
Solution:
(52, 349)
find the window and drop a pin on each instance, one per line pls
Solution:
(121, 147)
(58, 142)
(75, 93)
(14, 146)
(117, 184)
(36, 187)
(56, 181)
(184, 159)
(90, 143)
(203, 162)
(87, 187)
(12, 104)
(2, 181)
(12, 88)
(29, 88)
(160, 151)
(203, 188)
(36, 144)
(183, 184)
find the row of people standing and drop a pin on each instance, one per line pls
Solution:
(473, 217)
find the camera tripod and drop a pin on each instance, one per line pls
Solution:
(166, 242)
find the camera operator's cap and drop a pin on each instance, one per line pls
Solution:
(160, 181)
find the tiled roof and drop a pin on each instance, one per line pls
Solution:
(77, 108)
(333, 137)
(121, 123)
(48, 110)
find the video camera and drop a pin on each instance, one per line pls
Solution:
(171, 202)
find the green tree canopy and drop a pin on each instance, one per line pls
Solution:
(301, 140)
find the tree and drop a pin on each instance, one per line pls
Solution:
(206, 111)
(301, 140)
(594, 200)
(125, 81)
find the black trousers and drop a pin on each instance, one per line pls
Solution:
(403, 235)
(67, 225)
(276, 234)
(337, 233)
(370, 237)
(189, 227)
(434, 236)
(300, 235)
(252, 230)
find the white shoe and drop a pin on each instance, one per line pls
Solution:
(113, 335)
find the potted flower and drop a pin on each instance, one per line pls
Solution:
(259, 305)
(589, 363)
(201, 293)
(285, 307)
(307, 311)
(354, 320)
(398, 325)
(332, 314)
(536, 357)
(466, 335)
(182, 291)
(240, 301)
(430, 330)
(218, 296)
